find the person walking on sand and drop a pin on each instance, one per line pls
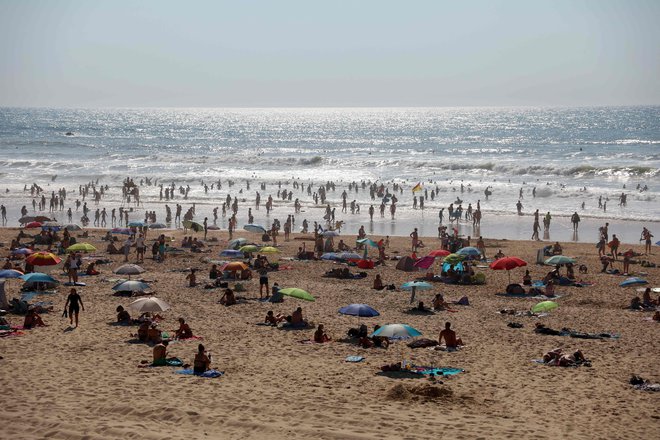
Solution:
(74, 303)
(575, 220)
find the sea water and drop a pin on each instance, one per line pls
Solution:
(567, 156)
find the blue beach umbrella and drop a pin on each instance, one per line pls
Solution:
(469, 251)
(237, 243)
(10, 273)
(413, 286)
(136, 224)
(331, 256)
(22, 251)
(232, 253)
(38, 277)
(124, 231)
(362, 310)
(398, 331)
(633, 281)
(367, 241)
(254, 228)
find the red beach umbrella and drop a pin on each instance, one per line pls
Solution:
(43, 259)
(439, 253)
(33, 225)
(507, 263)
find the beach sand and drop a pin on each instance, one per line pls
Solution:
(80, 383)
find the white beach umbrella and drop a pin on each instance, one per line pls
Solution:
(150, 304)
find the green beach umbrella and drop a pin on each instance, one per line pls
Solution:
(81, 247)
(269, 250)
(453, 258)
(249, 248)
(294, 292)
(559, 259)
(544, 306)
(189, 224)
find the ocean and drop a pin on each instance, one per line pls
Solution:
(559, 157)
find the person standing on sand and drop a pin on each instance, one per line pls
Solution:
(646, 236)
(415, 239)
(74, 302)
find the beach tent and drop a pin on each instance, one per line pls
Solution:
(406, 264)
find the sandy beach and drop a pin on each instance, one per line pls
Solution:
(85, 382)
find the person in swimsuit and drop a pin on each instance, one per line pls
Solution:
(202, 360)
(263, 282)
(74, 301)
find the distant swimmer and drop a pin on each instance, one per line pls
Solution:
(69, 133)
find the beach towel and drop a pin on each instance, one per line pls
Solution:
(354, 358)
(442, 371)
(538, 297)
(210, 374)
(192, 338)
(171, 362)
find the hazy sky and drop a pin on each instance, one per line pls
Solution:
(91, 53)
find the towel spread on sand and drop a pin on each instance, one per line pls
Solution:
(354, 358)
(521, 295)
(171, 362)
(443, 371)
(210, 374)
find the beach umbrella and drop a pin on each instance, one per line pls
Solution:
(269, 250)
(43, 218)
(124, 231)
(249, 248)
(559, 259)
(157, 226)
(657, 243)
(413, 286)
(399, 331)
(26, 219)
(33, 225)
(330, 233)
(22, 251)
(38, 277)
(348, 256)
(236, 243)
(81, 247)
(43, 259)
(137, 224)
(150, 304)
(234, 266)
(453, 259)
(51, 226)
(361, 310)
(73, 227)
(294, 292)
(130, 286)
(507, 263)
(367, 241)
(10, 273)
(129, 269)
(544, 306)
(332, 256)
(633, 281)
(439, 253)
(232, 253)
(469, 252)
(192, 225)
(255, 228)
